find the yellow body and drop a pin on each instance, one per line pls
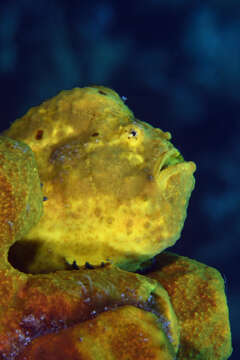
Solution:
(122, 197)
(20, 194)
(198, 297)
(117, 188)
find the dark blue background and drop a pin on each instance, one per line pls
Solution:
(177, 62)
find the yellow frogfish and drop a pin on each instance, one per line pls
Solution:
(115, 194)
(116, 188)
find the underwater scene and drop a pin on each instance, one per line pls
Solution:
(119, 184)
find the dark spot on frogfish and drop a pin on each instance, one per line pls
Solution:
(101, 92)
(39, 135)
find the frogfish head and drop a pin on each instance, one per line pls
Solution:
(117, 189)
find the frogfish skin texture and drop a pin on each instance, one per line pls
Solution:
(117, 189)
(198, 297)
(21, 203)
(88, 196)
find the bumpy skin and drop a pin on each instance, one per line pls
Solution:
(110, 179)
(178, 311)
(34, 306)
(106, 337)
(20, 193)
(198, 297)
(87, 304)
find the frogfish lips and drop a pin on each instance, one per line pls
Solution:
(172, 162)
(174, 182)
